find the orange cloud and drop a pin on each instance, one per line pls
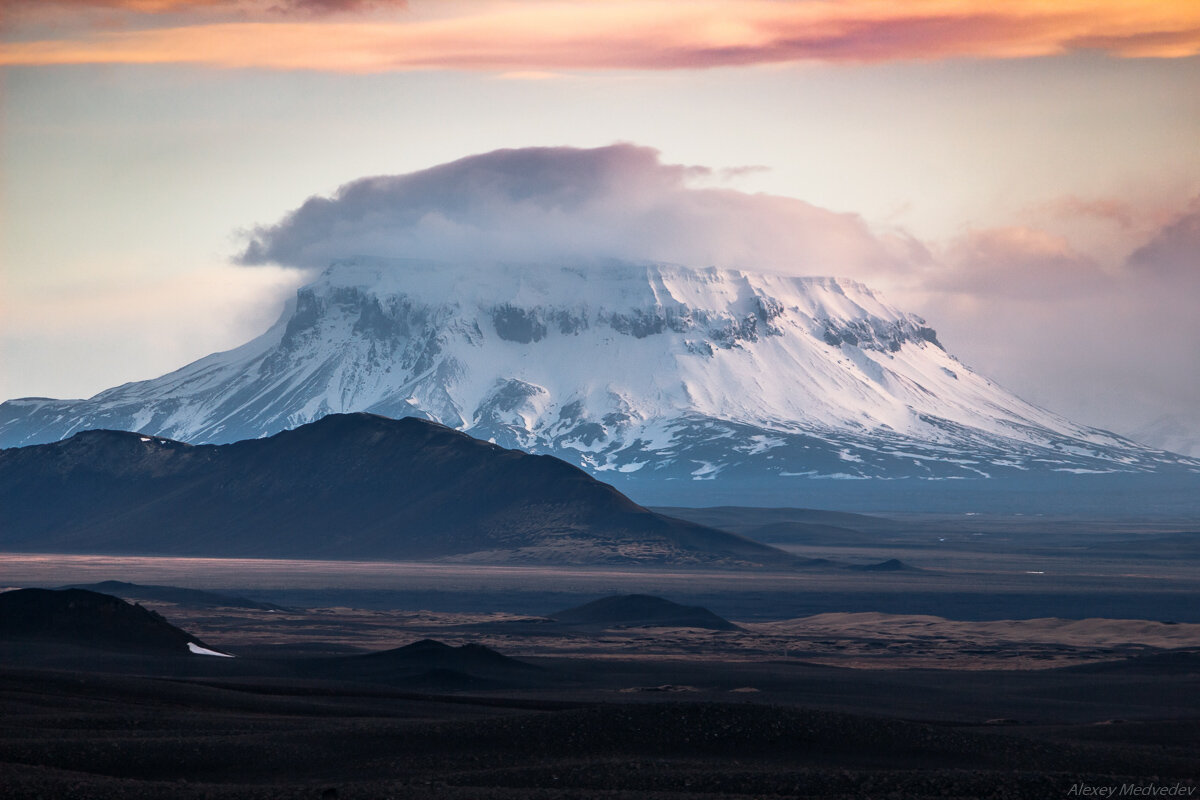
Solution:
(648, 34)
(166, 6)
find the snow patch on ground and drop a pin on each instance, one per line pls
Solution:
(204, 651)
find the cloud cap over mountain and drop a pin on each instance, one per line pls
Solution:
(997, 295)
(554, 203)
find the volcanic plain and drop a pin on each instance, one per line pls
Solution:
(911, 656)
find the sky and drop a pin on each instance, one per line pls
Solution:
(1026, 176)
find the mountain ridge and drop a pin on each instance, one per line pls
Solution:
(346, 486)
(635, 371)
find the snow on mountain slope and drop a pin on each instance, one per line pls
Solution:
(630, 370)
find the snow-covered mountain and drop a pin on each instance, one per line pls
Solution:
(632, 371)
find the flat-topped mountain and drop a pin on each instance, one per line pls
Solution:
(352, 486)
(640, 373)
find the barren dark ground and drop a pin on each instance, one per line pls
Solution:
(1017, 658)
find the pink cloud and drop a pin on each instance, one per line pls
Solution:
(1017, 262)
(595, 35)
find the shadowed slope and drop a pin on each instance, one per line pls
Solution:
(346, 486)
(88, 619)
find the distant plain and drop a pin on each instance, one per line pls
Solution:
(960, 568)
(930, 656)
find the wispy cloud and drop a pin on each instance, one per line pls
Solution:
(614, 35)
(1110, 209)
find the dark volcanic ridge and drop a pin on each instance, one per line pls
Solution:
(432, 654)
(196, 598)
(642, 611)
(89, 619)
(426, 665)
(345, 487)
(790, 526)
(891, 565)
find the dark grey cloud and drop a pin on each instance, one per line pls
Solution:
(549, 203)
